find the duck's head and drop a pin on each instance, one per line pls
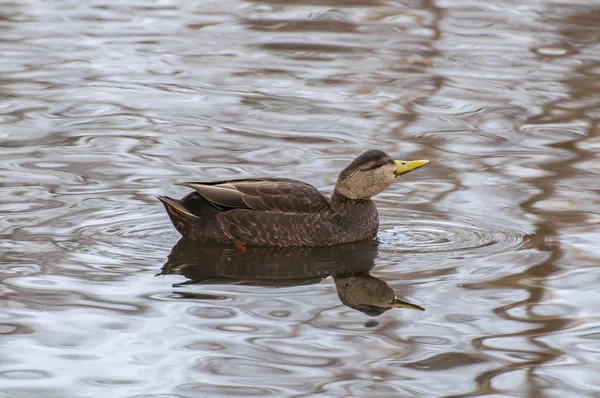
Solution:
(371, 173)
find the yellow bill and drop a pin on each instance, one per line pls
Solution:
(405, 166)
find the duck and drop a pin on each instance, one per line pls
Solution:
(286, 212)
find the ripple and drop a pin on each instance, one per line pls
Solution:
(445, 236)
(212, 312)
(238, 328)
(298, 352)
(92, 109)
(205, 346)
(247, 368)
(429, 340)
(110, 382)
(445, 361)
(227, 390)
(555, 51)
(157, 396)
(25, 374)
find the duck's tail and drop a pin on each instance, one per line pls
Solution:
(190, 214)
(181, 217)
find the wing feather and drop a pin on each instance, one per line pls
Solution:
(272, 195)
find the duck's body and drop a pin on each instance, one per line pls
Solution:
(272, 212)
(285, 212)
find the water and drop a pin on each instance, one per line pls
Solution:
(106, 104)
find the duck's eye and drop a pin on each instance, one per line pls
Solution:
(373, 166)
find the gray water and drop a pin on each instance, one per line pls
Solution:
(106, 104)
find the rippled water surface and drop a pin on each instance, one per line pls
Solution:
(106, 104)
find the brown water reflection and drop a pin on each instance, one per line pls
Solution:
(106, 104)
(348, 265)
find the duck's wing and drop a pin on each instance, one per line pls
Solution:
(272, 195)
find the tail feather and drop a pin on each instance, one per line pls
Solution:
(174, 205)
(181, 217)
(191, 216)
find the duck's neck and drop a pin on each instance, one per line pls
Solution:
(341, 202)
(359, 219)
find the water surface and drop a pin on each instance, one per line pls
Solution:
(106, 104)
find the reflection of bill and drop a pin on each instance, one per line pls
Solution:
(348, 264)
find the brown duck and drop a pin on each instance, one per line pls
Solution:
(285, 212)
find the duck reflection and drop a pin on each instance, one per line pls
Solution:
(348, 265)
